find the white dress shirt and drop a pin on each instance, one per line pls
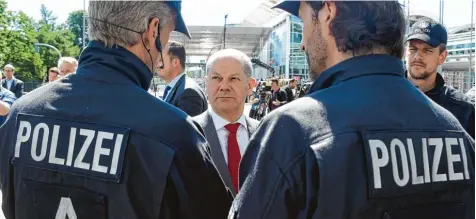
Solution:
(173, 83)
(9, 83)
(242, 134)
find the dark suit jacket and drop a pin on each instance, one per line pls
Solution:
(17, 87)
(205, 120)
(188, 96)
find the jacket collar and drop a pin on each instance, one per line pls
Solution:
(356, 67)
(113, 65)
(439, 85)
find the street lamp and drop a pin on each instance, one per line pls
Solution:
(47, 45)
(224, 32)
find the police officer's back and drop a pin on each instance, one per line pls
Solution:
(364, 142)
(96, 145)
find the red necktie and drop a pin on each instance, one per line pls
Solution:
(234, 155)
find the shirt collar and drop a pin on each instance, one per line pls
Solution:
(13, 78)
(220, 122)
(175, 80)
(358, 66)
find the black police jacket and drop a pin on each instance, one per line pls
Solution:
(97, 145)
(454, 101)
(364, 143)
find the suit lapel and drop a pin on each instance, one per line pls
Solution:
(12, 88)
(251, 127)
(217, 153)
(4, 84)
(173, 92)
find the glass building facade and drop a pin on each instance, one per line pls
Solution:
(284, 49)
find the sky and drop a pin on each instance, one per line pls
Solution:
(211, 12)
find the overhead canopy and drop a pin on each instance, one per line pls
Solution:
(208, 39)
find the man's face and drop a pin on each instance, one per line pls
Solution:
(423, 60)
(293, 84)
(52, 76)
(312, 41)
(228, 86)
(66, 68)
(274, 85)
(8, 73)
(172, 67)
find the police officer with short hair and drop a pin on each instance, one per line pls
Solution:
(426, 45)
(364, 142)
(96, 145)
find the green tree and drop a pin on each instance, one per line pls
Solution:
(75, 24)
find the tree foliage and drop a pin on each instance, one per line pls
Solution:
(18, 35)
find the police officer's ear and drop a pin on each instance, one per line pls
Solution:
(326, 15)
(443, 54)
(152, 32)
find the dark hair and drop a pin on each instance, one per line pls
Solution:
(176, 50)
(442, 48)
(275, 81)
(54, 69)
(292, 80)
(365, 26)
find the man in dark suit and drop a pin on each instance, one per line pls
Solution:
(11, 83)
(226, 127)
(278, 97)
(181, 91)
(289, 90)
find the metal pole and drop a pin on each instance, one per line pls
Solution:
(49, 46)
(84, 23)
(224, 32)
(471, 33)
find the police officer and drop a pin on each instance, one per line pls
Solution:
(96, 145)
(426, 45)
(364, 142)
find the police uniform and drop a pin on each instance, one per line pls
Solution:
(364, 143)
(434, 34)
(96, 145)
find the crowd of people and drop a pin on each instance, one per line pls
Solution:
(369, 138)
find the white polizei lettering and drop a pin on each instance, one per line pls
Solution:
(452, 158)
(465, 159)
(21, 136)
(54, 145)
(44, 143)
(116, 153)
(72, 141)
(426, 162)
(377, 162)
(66, 209)
(403, 156)
(411, 152)
(89, 138)
(99, 150)
(438, 143)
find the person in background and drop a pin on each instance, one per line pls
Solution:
(6, 100)
(278, 95)
(181, 91)
(226, 127)
(67, 65)
(290, 90)
(364, 142)
(53, 74)
(10, 82)
(426, 50)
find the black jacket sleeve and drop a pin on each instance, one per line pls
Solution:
(192, 103)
